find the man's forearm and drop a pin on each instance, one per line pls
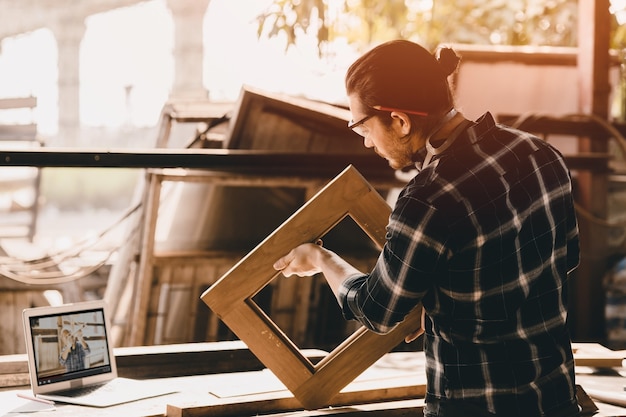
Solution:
(335, 269)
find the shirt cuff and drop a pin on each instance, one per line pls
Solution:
(348, 292)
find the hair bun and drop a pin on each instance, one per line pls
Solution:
(448, 60)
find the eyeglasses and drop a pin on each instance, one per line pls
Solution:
(358, 128)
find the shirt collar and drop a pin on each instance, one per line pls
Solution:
(476, 131)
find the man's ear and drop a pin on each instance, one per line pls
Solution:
(401, 123)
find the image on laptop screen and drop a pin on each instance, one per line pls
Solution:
(69, 346)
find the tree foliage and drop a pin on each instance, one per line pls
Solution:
(291, 16)
(431, 22)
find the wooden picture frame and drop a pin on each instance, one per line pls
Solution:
(348, 194)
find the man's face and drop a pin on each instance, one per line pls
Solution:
(387, 141)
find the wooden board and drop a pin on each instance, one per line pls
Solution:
(18, 103)
(163, 361)
(396, 376)
(230, 297)
(597, 356)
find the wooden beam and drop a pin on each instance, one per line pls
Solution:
(163, 361)
(228, 160)
(587, 298)
(18, 103)
(240, 162)
(593, 57)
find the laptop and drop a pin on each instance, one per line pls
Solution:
(71, 360)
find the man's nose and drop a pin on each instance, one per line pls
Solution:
(367, 142)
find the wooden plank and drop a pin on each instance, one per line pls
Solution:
(194, 111)
(144, 362)
(403, 408)
(21, 132)
(18, 103)
(283, 402)
(576, 126)
(191, 359)
(142, 289)
(395, 377)
(13, 364)
(597, 356)
(14, 380)
(571, 125)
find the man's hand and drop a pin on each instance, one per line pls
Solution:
(417, 333)
(412, 336)
(301, 261)
(312, 258)
(80, 338)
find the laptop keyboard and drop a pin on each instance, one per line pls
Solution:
(84, 391)
(115, 391)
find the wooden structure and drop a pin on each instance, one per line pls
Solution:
(19, 205)
(231, 297)
(594, 91)
(241, 209)
(19, 187)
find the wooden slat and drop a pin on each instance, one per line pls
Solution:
(597, 356)
(283, 402)
(18, 103)
(191, 359)
(575, 125)
(586, 319)
(144, 362)
(13, 364)
(196, 111)
(21, 132)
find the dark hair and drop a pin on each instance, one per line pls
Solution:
(404, 75)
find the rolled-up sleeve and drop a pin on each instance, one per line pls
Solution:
(348, 293)
(404, 271)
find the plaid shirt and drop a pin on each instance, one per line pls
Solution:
(75, 360)
(484, 237)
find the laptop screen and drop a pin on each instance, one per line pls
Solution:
(69, 345)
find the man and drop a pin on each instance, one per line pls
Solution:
(484, 236)
(74, 350)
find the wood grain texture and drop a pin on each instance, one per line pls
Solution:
(314, 386)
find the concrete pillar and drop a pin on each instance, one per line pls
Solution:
(69, 33)
(188, 17)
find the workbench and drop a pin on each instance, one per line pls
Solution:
(226, 379)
